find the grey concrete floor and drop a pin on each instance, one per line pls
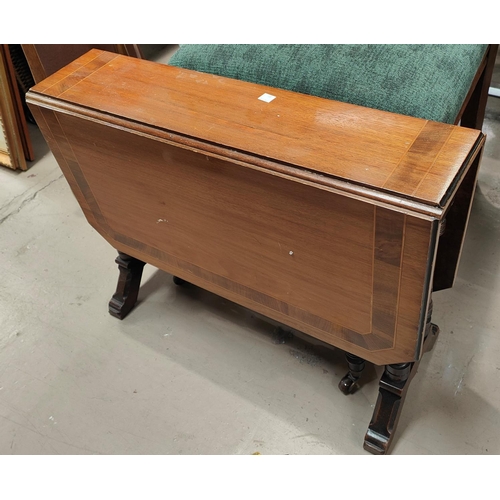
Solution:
(190, 373)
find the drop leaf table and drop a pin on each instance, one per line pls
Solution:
(334, 219)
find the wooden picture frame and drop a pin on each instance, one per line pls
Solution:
(14, 142)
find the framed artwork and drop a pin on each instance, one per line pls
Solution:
(15, 145)
(40, 61)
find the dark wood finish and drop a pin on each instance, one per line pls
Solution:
(24, 80)
(321, 215)
(393, 387)
(474, 107)
(20, 117)
(349, 383)
(12, 120)
(451, 241)
(392, 392)
(127, 290)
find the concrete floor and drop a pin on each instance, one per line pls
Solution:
(190, 373)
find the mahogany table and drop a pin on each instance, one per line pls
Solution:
(325, 216)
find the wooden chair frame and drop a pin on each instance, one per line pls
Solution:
(473, 110)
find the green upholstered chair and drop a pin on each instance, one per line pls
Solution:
(445, 83)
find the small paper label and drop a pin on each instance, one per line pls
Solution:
(267, 97)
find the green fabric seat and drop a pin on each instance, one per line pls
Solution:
(426, 81)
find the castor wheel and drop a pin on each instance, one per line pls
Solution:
(348, 384)
(179, 281)
(431, 337)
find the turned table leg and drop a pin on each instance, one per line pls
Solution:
(392, 392)
(393, 387)
(127, 289)
(356, 365)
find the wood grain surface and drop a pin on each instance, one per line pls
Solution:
(404, 156)
(195, 175)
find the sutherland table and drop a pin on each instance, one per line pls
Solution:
(334, 219)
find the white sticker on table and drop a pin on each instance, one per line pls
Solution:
(267, 97)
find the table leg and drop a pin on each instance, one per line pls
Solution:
(127, 289)
(392, 392)
(393, 387)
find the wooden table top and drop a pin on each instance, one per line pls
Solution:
(404, 157)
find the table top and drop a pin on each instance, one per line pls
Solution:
(352, 147)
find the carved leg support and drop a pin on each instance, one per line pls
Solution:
(127, 289)
(356, 364)
(392, 393)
